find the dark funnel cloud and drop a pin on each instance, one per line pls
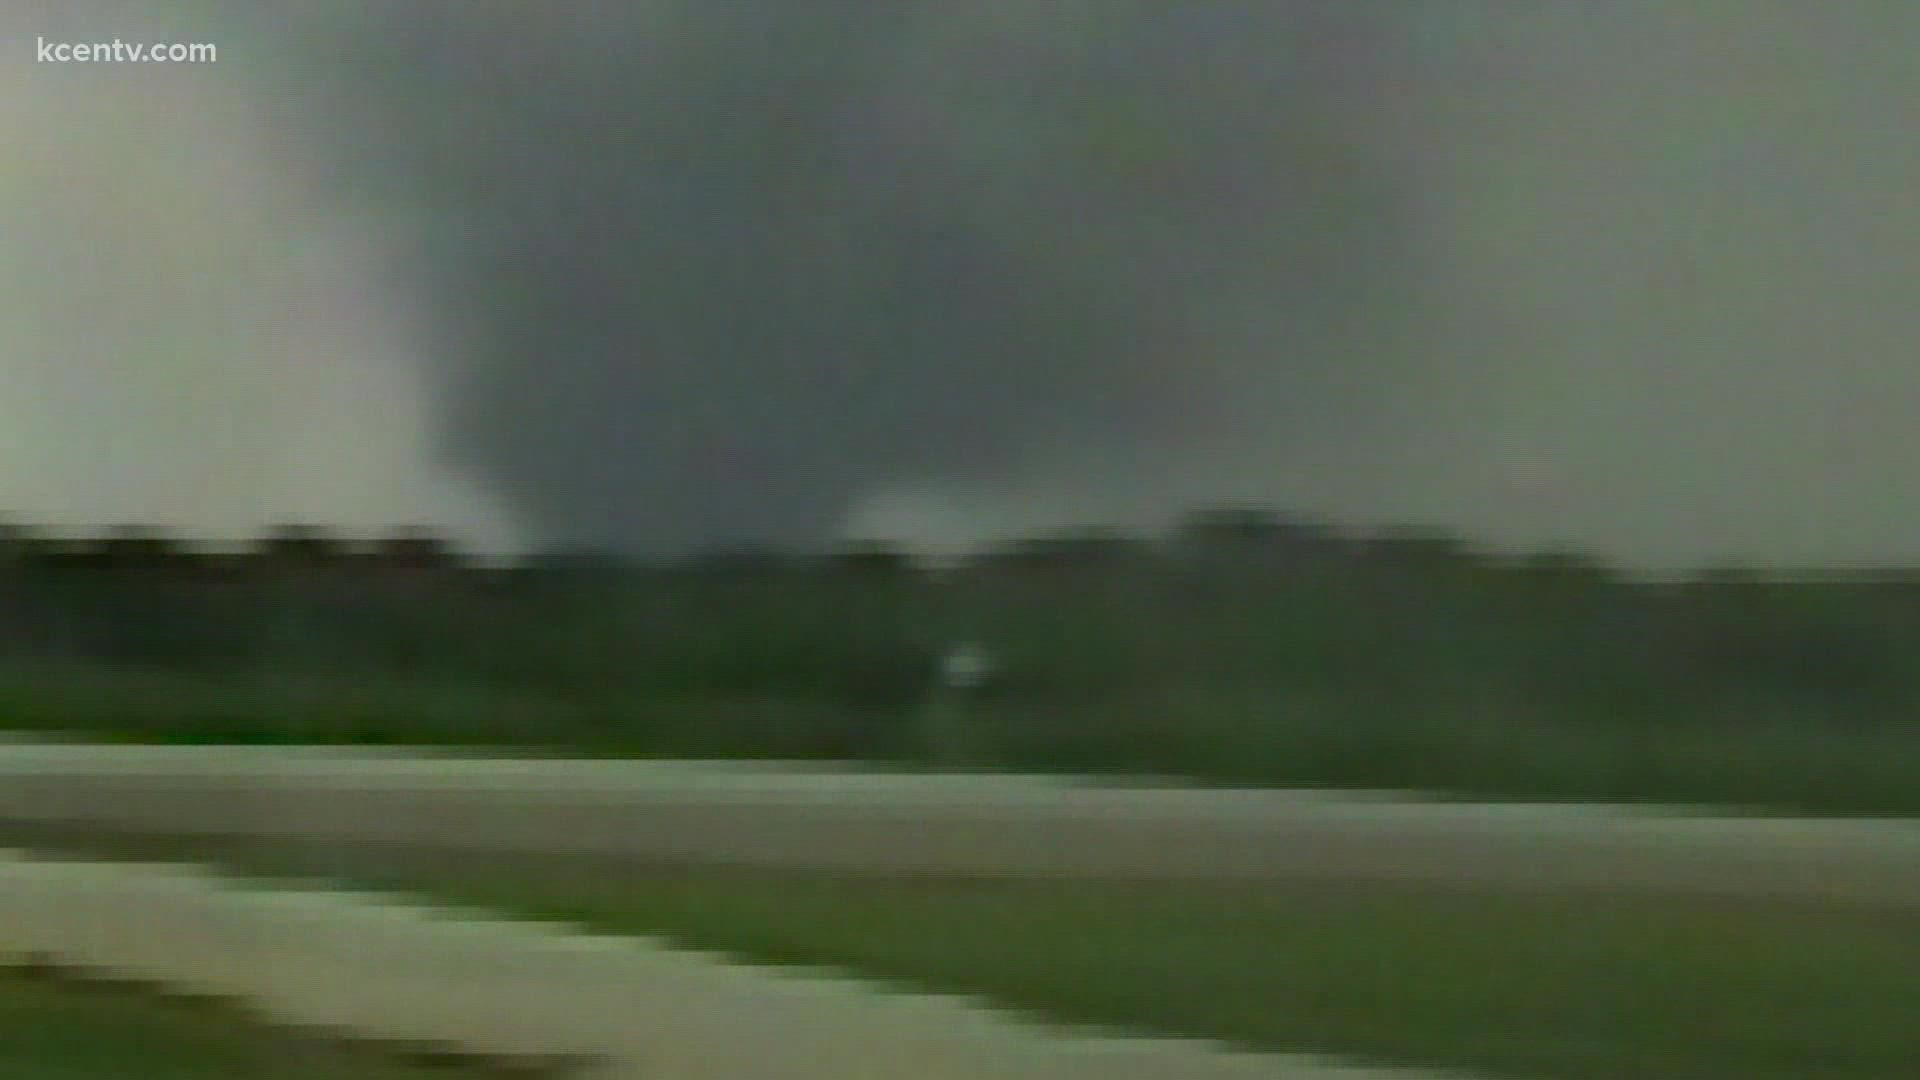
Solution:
(1635, 276)
(708, 272)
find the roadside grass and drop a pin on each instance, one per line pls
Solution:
(1561, 985)
(153, 706)
(54, 1026)
(1468, 743)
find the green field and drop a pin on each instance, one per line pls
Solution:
(1240, 737)
(1445, 675)
(55, 1027)
(1534, 986)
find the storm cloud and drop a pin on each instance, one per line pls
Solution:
(1635, 276)
(717, 270)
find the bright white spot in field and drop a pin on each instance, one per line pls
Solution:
(967, 665)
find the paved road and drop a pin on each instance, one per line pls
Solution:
(326, 958)
(788, 815)
(384, 969)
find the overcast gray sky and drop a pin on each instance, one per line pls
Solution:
(1637, 275)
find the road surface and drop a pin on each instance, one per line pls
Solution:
(874, 822)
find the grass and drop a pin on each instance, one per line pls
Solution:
(54, 1026)
(1477, 744)
(158, 706)
(1797, 697)
(1541, 985)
